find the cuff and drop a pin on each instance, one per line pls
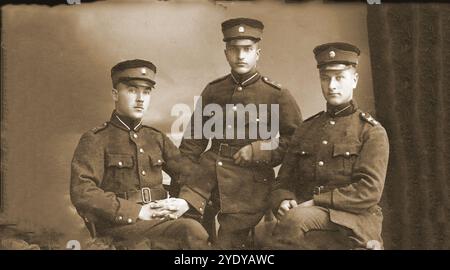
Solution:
(278, 196)
(261, 152)
(127, 213)
(324, 199)
(193, 198)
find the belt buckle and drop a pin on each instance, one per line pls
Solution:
(220, 147)
(146, 195)
(317, 190)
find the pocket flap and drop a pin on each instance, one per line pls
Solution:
(346, 149)
(120, 160)
(156, 158)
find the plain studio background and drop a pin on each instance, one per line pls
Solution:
(57, 85)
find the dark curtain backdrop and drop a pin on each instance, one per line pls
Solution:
(410, 56)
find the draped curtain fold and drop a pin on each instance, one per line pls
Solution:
(410, 57)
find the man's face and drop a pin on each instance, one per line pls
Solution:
(132, 98)
(338, 85)
(242, 55)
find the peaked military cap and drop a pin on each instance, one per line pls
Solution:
(336, 55)
(136, 69)
(240, 28)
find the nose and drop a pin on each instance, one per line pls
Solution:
(139, 95)
(332, 84)
(241, 54)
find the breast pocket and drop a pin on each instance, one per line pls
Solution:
(305, 156)
(119, 169)
(345, 155)
(156, 164)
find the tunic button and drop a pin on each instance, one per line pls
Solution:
(325, 142)
(265, 180)
(332, 122)
(303, 153)
(143, 173)
(159, 161)
(120, 163)
(119, 217)
(135, 135)
(321, 163)
(239, 88)
(347, 154)
(220, 163)
(129, 220)
(201, 209)
(141, 150)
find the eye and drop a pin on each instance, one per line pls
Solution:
(132, 90)
(147, 91)
(339, 77)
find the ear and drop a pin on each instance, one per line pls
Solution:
(115, 94)
(258, 52)
(355, 80)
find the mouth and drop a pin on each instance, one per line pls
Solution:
(334, 95)
(140, 108)
(241, 64)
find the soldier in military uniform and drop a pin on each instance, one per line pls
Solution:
(117, 171)
(333, 174)
(239, 172)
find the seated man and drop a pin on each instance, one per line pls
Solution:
(333, 174)
(117, 171)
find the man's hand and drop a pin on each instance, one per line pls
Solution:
(171, 208)
(285, 206)
(244, 155)
(307, 203)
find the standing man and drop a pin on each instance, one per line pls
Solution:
(333, 174)
(239, 171)
(117, 171)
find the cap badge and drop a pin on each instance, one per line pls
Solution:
(241, 29)
(332, 54)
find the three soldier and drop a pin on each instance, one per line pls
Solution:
(331, 179)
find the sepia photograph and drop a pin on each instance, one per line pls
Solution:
(225, 125)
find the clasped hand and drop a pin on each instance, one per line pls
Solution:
(171, 208)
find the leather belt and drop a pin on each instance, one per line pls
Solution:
(144, 195)
(224, 149)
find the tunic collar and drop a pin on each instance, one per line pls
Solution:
(124, 122)
(343, 109)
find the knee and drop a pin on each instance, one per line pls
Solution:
(302, 218)
(192, 229)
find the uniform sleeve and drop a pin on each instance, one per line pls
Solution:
(288, 177)
(191, 146)
(289, 119)
(86, 175)
(368, 176)
(184, 174)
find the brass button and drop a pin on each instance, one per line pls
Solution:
(239, 88)
(332, 122)
(135, 135)
(220, 163)
(119, 217)
(141, 150)
(159, 161)
(347, 153)
(303, 153)
(324, 142)
(129, 220)
(143, 173)
(120, 163)
(201, 209)
(321, 163)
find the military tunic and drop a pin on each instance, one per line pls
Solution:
(236, 189)
(110, 166)
(339, 159)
